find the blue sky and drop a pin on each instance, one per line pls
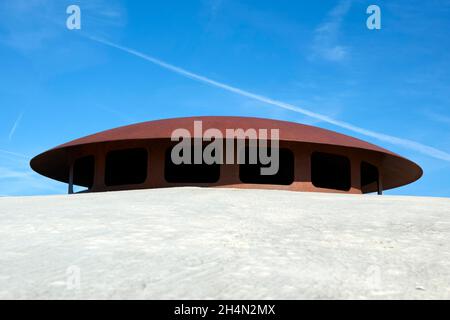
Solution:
(58, 84)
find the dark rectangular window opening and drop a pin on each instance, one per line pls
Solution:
(83, 171)
(369, 178)
(124, 167)
(190, 173)
(251, 173)
(330, 171)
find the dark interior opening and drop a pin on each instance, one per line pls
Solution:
(251, 173)
(83, 171)
(369, 177)
(330, 171)
(127, 166)
(190, 173)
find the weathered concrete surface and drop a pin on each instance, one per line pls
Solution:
(224, 243)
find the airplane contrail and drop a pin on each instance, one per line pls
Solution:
(405, 143)
(15, 125)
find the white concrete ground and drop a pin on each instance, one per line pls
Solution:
(192, 243)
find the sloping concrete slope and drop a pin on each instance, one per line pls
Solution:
(224, 243)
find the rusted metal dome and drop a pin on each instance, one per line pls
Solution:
(394, 169)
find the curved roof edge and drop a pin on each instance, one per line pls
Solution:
(394, 164)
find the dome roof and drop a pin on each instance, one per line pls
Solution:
(396, 170)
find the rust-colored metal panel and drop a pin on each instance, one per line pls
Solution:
(155, 135)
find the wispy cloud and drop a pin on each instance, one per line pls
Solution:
(15, 154)
(405, 143)
(325, 44)
(17, 178)
(33, 25)
(437, 117)
(15, 125)
(8, 173)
